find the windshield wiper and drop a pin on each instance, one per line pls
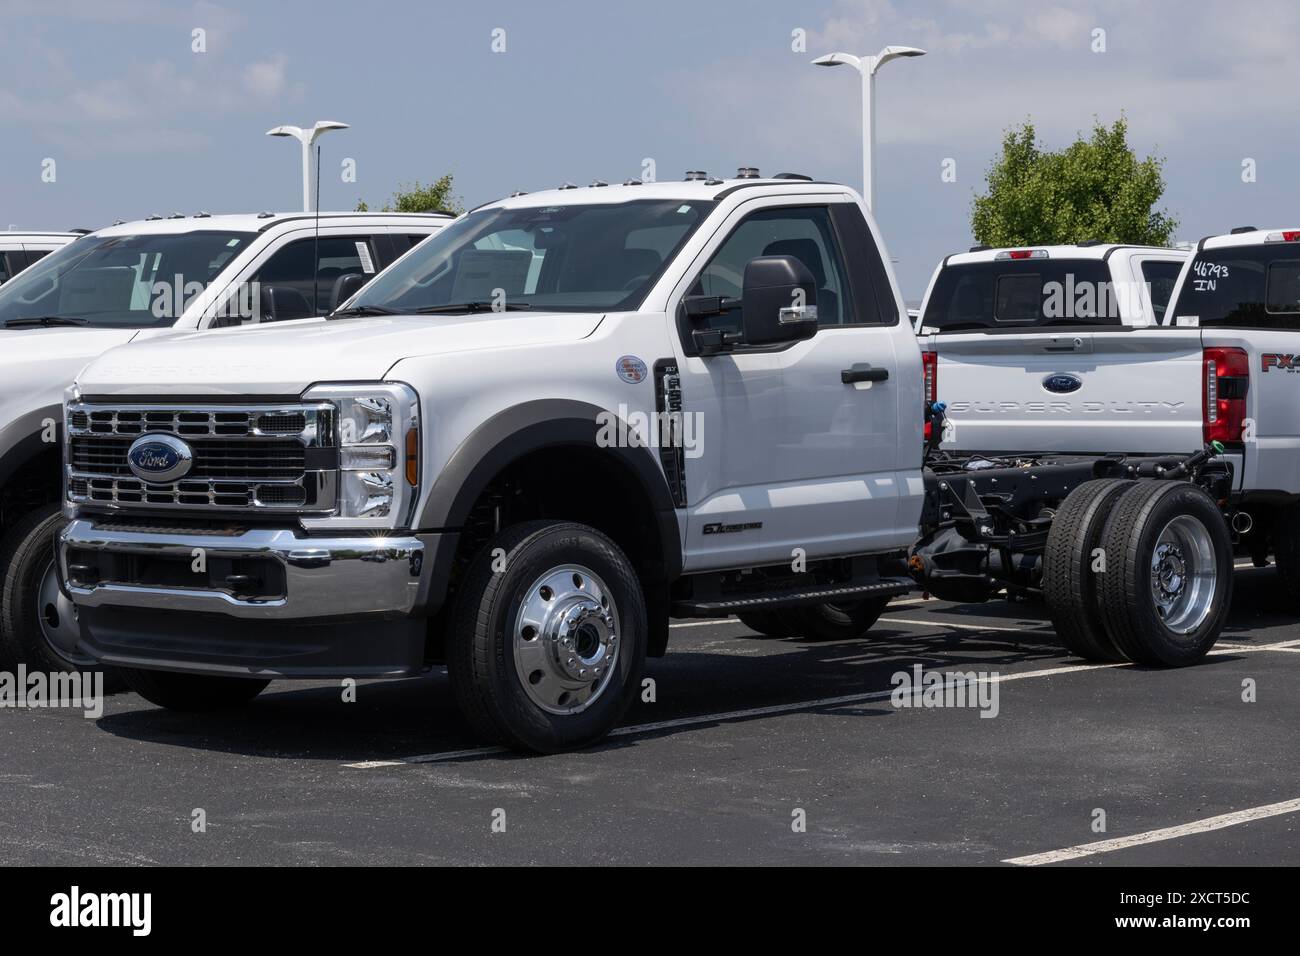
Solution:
(471, 307)
(45, 321)
(364, 310)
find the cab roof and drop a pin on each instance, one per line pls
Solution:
(256, 222)
(1087, 250)
(1251, 237)
(20, 234)
(693, 190)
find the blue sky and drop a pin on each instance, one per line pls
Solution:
(137, 123)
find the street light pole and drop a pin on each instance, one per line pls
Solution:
(307, 137)
(867, 67)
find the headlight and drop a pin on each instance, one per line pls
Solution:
(377, 432)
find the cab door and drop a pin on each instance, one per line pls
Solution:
(790, 454)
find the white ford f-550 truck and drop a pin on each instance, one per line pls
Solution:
(567, 417)
(135, 281)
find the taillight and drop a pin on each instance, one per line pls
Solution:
(930, 369)
(1226, 374)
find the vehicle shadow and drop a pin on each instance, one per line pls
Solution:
(393, 720)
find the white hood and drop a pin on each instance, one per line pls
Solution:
(285, 358)
(36, 365)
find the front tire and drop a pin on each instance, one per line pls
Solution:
(38, 624)
(192, 693)
(835, 622)
(1167, 588)
(548, 637)
(766, 623)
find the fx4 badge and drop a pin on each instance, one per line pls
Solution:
(1287, 363)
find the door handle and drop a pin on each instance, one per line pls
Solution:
(862, 372)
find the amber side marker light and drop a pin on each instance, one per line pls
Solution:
(413, 457)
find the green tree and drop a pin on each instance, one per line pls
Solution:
(414, 197)
(1095, 188)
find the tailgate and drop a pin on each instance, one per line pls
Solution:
(1094, 392)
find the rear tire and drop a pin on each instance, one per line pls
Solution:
(1167, 588)
(38, 625)
(192, 693)
(767, 623)
(547, 654)
(1069, 582)
(834, 622)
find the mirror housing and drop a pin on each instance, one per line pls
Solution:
(778, 301)
(281, 303)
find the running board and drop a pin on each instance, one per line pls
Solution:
(885, 587)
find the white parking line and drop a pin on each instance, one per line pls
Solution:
(1155, 836)
(966, 627)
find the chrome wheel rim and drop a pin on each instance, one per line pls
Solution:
(566, 640)
(1184, 571)
(58, 617)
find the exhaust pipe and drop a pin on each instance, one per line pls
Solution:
(1242, 522)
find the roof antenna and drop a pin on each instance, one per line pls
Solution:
(315, 249)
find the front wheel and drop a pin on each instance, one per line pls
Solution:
(834, 622)
(548, 637)
(38, 624)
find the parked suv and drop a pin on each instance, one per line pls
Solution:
(140, 281)
(18, 250)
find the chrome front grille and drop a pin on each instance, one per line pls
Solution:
(272, 458)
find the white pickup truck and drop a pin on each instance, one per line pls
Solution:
(18, 250)
(518, 451)
(138, 281)
(1220, 373)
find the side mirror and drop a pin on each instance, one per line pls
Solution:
(345, 287)
(778, 301)
(284, 303)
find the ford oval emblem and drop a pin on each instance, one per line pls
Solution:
(1062, 383)
(159, 459)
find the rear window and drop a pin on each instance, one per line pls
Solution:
(1026, 293)
(1251, 287)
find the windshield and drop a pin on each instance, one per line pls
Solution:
(141, 281)
(1242, 287)
(1022, 293)
(581, 258)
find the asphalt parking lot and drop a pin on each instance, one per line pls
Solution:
(747, 737)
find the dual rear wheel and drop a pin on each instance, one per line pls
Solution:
(1138, 571)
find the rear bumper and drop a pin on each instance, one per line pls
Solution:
(262, 601)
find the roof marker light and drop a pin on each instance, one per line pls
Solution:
(695, 175)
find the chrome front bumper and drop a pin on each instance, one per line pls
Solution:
(313, 578)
